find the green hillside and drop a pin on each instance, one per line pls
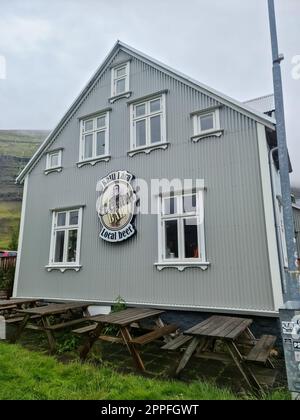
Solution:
(20, 143)
(16, 148)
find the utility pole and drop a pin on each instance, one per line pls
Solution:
(290, 314)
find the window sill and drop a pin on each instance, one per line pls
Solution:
(181, 266)
(93, 161)
(121, 96)
(148, 149)
(63, 268)
(212, 133)
(50, 170)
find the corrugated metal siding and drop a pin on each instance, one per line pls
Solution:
(239, 276)
(297, 228)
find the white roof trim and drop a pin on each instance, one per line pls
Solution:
(226, 100)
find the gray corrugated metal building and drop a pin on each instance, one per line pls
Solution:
(140, 116)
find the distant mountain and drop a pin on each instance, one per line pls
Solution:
(16, 148)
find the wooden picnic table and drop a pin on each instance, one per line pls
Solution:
(232, 332)
(125, 321)
(17, 303)
(47, 316)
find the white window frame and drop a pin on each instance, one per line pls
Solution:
(115, 78)
(147, 116)
(94, 132)
(197, 123)
(48, 160)
(64, 265)
(181, 262)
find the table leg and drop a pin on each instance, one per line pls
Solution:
(159, 322)
(249, 377)
(51, 340)
(20, 329)
(189, 352)
(91, 339)
(134, 352)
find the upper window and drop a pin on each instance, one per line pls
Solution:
(94, 142)
(148, 123)
(65, 238)
(54, 160)
(120, 79)
(206, 123)
(181, 222)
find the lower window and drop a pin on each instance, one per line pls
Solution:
(65, 238)
(182, 228)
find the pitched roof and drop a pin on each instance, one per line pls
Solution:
(264, 104)
(226, 100)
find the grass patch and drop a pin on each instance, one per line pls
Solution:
(26, 375)
(21, 143)
(9, 219)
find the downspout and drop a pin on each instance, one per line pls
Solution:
(277, 225)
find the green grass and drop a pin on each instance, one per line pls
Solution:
(26, 375)
(9, 220)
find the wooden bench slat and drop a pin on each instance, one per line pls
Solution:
(261, 351)
(65, 324)
(177, 342)
(15, 320)
(84, 330)
(111, 339)
(153, 335)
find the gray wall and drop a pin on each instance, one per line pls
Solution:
(239, 276)
(297, 228)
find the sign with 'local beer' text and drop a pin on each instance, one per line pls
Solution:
(116, 206)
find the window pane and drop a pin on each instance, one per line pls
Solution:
(140, 110)
(170, 205)
(59, 246)
(155, 105)
(72, 245)
(88, 146)
(100, 143)
(155, 129)
(88, 125)
(207, 122)
(191, 246)
(141, 133)
(54, 160)
(101, 122)
(189, 203)
(171, 232)
(73, 217)
(121, 72)
(120, 86)
(61, 219)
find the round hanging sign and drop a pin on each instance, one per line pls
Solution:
(116, 206)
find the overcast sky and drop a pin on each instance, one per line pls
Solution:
(52, 47)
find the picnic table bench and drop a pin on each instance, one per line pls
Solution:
(48, 322)
(125, 321)
(232, 332)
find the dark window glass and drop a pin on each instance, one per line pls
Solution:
(155, 129)
(189, 203)
(59, 246)
(72, 245)
(191, 245)
(73, 218)
(141, 133)
(171, 232)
